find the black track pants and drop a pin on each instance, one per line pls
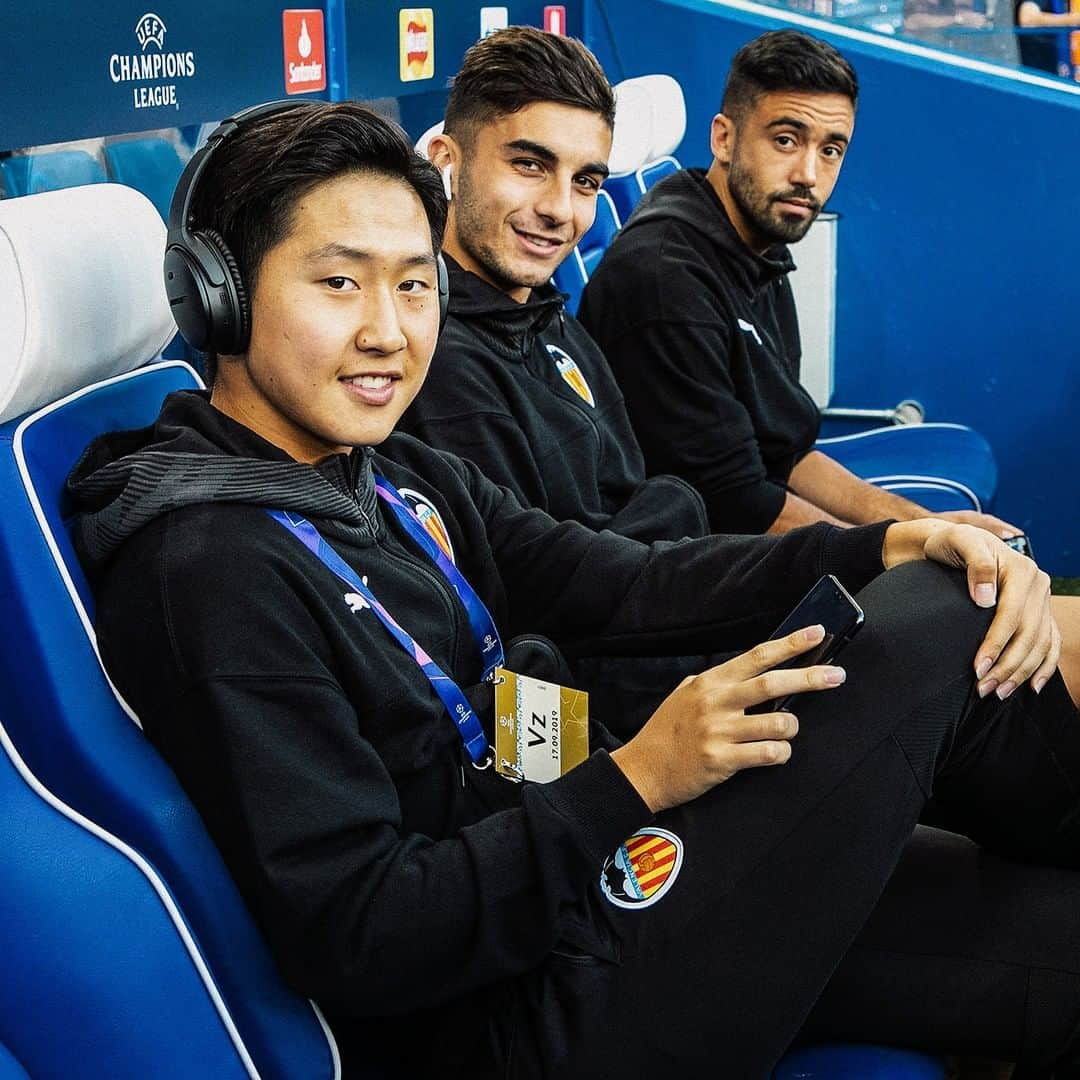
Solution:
(809, 906)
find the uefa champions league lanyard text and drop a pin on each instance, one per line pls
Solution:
(483, 626)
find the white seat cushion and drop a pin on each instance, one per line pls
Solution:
(668, 114)
(632, 142)
(81, 291)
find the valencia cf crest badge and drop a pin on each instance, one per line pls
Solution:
(572, 374)
(643, 869)
(430, 518)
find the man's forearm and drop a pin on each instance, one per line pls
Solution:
(827, 485)
(797, 512)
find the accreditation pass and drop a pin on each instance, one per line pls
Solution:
(541, 728)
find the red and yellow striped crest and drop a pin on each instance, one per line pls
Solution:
(643, 869)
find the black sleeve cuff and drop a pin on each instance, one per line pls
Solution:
(604, 806)
(748, 509)
(854, 555)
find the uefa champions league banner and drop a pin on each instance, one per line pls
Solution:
(75, 70)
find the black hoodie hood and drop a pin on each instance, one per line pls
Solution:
(688, 196)
(523, 391)
(193, 454)
(507, 327)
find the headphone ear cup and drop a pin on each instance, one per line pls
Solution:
(229, 313)
(186, 288)
(444, 290)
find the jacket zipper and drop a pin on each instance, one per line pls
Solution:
(440, 584)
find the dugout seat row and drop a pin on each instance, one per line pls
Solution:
(150, 164)
(27, 174)
(127, 948)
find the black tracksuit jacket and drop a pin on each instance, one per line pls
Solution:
(703, 338)
(388, 876)
(495, 395)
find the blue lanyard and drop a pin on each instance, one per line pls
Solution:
(483, 625)
(455, 702)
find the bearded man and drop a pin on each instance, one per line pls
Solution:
(692, 306)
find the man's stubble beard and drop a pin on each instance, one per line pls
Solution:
(755, 208)
(470, 223)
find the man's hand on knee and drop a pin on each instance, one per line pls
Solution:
(1023, 641)
(992, 524)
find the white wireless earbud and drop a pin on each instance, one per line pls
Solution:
(446, 182)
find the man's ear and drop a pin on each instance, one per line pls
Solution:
(443, 150)
(722, 138)
(444, 153)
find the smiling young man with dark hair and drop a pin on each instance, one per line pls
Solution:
(693, 309)
(320, 674)
(517, 385)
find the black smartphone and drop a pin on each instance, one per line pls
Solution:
(1022, 544)
(831, 605)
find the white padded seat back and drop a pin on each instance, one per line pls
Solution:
(81, 291)
(660, 99)
(633, 135)
(668, 114)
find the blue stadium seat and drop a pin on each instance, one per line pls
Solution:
(940, 466)
(839, 1062)
(573, 273)
(652, 171)
(650, 122)
(602, 231)
(49, 171)
(625, 191)
(91, 257)
(100, 977)
(151, 165)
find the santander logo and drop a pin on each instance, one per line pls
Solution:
(304, 42)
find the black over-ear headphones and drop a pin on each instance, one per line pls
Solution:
(206, 292)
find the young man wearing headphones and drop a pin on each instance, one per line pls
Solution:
(305, 610)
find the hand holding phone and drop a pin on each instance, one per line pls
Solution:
(713, 725)
(831, 605)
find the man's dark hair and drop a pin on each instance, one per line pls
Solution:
(521, 66)
(785, 60)
(259, 173)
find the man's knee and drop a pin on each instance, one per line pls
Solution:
(921, 626)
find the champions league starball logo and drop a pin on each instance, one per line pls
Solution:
(150, 29)
(148, 68)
